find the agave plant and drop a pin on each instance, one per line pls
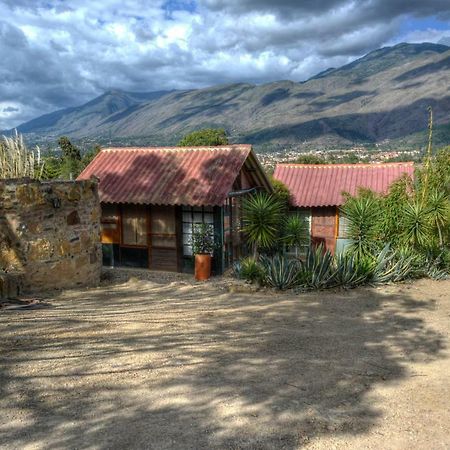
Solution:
(389, 266)
(17, 161)
(249, 269)
(262, 214)
(349, 271)
(280, 271)
(316, 271)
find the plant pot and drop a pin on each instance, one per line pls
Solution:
(202, 266)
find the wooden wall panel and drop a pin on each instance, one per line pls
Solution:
(323, 227)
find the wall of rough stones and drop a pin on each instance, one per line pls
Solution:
(50, 233)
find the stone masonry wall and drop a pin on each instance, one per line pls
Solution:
(50, 233)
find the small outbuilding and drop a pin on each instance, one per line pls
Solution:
(152, 198)
(317, 193)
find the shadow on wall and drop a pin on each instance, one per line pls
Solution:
(149, 366)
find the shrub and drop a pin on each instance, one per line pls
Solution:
(280, 271)
(249, 269)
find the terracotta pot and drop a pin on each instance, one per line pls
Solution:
(202, 267)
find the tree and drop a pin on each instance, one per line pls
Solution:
(68, 149)
(296, 232)
(310, 159)
(71, 159)
(206, 136)
(262, 214)
(281, 191)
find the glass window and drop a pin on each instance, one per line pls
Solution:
(191, 217)
(343, 226)
(134, 225)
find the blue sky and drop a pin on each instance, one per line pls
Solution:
(59, 53)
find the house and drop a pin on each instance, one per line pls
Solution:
(152, 198)
(317, 190)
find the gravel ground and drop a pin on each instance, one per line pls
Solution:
(160, 362)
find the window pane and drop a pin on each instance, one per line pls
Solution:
(134, 225)
(198, 217)
(187, 216)
(209, 218)
(187, 228)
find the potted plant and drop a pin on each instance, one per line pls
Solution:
(202, 247)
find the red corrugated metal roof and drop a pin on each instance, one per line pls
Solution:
(323, 184)
(167, 175)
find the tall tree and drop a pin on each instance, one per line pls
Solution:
(206, 136)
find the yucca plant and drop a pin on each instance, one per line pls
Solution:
(295, 232)
(262, 214)
(363, 214)
(17, 161)
(280, 271)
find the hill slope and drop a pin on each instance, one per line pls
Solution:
(383, 95)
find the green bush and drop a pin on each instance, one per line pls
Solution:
(280, 271)
(249, 269)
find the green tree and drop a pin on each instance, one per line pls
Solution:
(71, 165)
(262, 214)
(310, 159)
(206, 136)
(296, 232)
(281, 192)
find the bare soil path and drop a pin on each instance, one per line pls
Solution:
(170, 364)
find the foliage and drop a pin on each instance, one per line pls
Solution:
(310, 159)
(206, 136)
(17, 161)
(90, 155)
(363, 216)
(295, 232)
(262, 214)
(280, 271)
(203, 241)
(69, 150)
(281, 192)
(316, 271)
(349, 271)
(249, 269)
(71, 165)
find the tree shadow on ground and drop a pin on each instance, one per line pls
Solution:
(183, 366)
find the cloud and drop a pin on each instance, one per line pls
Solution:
(57, 54)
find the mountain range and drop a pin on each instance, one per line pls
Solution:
(383, 95)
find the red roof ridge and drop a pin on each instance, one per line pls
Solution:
(181, 149)
(352, 165)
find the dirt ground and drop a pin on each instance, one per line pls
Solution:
(164, 363)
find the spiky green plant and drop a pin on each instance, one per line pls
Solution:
(249, 269)
(295, 232)
(262, 214)
(363, 214)
(280, 271)
(17, 161)
(316, 271)
(349, 271)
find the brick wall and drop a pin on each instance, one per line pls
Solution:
(50, 232)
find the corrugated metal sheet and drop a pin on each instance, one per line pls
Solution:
(323, 184)
(167, 175)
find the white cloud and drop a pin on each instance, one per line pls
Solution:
(56, 55)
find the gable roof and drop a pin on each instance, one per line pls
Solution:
(323, 184)
(172, 175)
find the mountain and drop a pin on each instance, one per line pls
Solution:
(383, 95)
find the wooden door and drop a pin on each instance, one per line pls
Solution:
(163, 238)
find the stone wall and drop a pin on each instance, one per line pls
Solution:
(50, 233)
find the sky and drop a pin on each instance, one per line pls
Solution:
(59, 53)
